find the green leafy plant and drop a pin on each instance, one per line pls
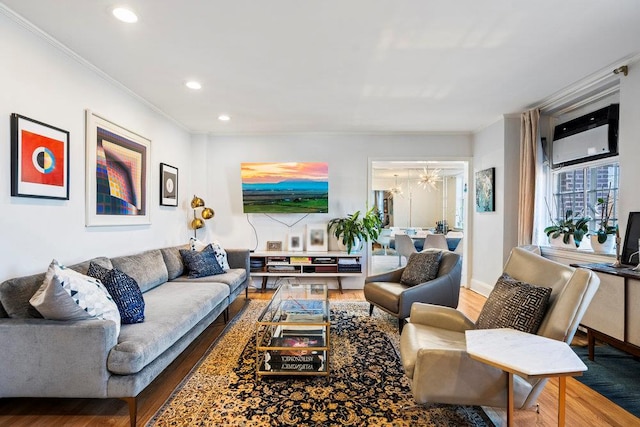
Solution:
(571, 225)
(353, 229)
(605, 205)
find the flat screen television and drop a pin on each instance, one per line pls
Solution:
(301, 187)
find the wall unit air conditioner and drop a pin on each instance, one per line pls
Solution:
(590, 137)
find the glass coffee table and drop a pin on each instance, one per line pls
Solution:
(292, 333)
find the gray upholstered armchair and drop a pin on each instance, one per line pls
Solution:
(386, 292)
(433, 345)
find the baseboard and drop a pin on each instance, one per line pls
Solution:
(481, 287)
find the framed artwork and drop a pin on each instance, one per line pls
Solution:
(317, 238)
(168, 185)
(117, 174)
(274, 245)
(485, 195)
(295, 242)
(39, 159)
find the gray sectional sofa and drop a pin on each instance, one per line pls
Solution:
(48, 358)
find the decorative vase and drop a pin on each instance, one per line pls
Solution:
(606, 248)
(355, 248)
(559, 243)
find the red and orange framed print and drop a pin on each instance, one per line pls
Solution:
(39, 159)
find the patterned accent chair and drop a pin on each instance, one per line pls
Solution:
(433, 346)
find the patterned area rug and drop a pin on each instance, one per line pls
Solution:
(366, 386)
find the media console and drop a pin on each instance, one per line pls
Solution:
(331, 264)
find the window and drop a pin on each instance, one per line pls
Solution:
(579, 187)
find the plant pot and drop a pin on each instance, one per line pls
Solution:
(559, 243)
(607, 247)
(355, 248)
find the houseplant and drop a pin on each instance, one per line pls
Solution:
(600, 241)
(572, 226)
(353, 229)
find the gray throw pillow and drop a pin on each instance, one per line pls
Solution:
(421, 267)
(514, 304)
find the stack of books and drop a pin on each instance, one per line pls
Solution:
(349, 265)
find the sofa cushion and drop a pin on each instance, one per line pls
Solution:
(147, 268)
(15, 293)
(233, 278)
(201, 264)
(173, 261)
(421, 267)
(66, 294)
(124, 290)
(171, 311)
(514, 304)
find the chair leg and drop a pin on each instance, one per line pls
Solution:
(370, 309)
(400, 325)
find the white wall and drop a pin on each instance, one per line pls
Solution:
(490, 237)
(348, 157)
(45, 84)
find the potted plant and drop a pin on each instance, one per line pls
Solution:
(600, 241)
(571, 227)
(353, 230)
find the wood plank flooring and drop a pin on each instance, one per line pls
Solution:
(584, 406)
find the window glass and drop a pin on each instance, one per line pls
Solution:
(579, 187)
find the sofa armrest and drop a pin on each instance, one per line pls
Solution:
(440, 317)
(387, 276)
(49, 358)
(238, 258)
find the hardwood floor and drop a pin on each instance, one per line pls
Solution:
(584, 406)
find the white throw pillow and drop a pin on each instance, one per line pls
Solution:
(221, 255)
(68, 295)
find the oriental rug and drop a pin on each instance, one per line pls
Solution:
(366, 387)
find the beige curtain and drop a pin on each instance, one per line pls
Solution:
(527, 189)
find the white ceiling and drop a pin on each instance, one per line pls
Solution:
(344, 65)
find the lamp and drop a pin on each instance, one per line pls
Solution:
(396, 190)
(428, 179)
(207, 213)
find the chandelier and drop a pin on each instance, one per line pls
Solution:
(428, 178)
(396, 190)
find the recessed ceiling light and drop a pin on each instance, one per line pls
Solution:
(125, 15)
(224, 117)
(194, 85)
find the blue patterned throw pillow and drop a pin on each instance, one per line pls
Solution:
(124, 290)
(201, 264)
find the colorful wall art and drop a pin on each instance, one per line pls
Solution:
(39, 159)
(117, 174)
(295, 187)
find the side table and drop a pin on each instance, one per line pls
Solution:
(526, 355)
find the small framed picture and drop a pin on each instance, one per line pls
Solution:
(273, 245)
(295, 242)
(168, 185)
(485, 197)
(39, 159)
(317, 238)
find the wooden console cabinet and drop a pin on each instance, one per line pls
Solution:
(305, 264)
(614, 313)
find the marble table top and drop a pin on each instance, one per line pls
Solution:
(522, 353)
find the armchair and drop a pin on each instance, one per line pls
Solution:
(386, 292)
(433, 346)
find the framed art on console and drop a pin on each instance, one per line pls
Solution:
(39, 159)
(295, 242)
(317, 240)
(117, 174)
(168, 185)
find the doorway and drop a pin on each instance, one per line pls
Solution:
(418, 197)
